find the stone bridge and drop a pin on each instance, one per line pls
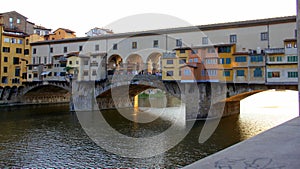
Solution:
(202, 100)
(209, 99)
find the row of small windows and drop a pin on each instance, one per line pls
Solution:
(18, 50)
(277, 74)
(13, 40)
(264, 36)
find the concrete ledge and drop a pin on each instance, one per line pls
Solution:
(277, 148)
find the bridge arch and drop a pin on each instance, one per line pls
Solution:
(47, 93)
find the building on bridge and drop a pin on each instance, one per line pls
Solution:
(133, 53)
(282, 63)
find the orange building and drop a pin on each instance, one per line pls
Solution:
(60, 33)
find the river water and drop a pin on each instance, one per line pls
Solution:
(51, 136)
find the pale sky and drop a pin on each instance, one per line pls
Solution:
(81, 16)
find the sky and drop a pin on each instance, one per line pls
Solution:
(81, 16)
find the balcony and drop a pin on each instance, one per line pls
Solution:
(169, 55)
(275, 51)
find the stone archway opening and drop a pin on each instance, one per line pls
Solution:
(154, 63)
(134, 64)
(114, 62)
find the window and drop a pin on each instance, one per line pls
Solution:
(169, 62)
(65, 49)
(13, 40)
(240, 72)
(4, 80)
(296, 33)
(273, 74)
(257, 58)
(190, 60)
(115, 46)
(264, 36)
(34, 51)
(16, 61)
(17, 72)
(35, 75)
(228, 60)
(224, 49)
(289, 45)
(80, 48)
(170, 73)
(26, 52)
(18, 21)
(226, 73)
(29, 76)
(77, 62)
(5, 59)
(51, 50)
(279, 58)
(272, 59)
(6, 49)
(240, 59)
(211, 61)
(70, 62)
(4, 69)
(19, 50)
(232, 38)
(222, 61)
(182, 61)
(27, 41)
(182, 51)
(85, 62)
(211, 50)
(85, 73)
(292, 58)
(155, 43)
(94, 73)
(45, 59)
(134, 45)
(97, 47)
(204, 40)
(178, 42)
(11, 20)
(211, 72)
(6, 40)
(187, 72)
(292, 74)
(19, 41)
(196, 60)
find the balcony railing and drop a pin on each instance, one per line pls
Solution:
(274, 50)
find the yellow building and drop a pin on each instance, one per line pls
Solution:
(73, 63)
(225, 53)
(172, 63)
(15, 55)
(240, 67)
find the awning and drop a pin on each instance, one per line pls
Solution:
(45, 73)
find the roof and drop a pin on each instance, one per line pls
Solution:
(6, 13)
(67, 30)
(290, 40)
(218, 26)
(241, 53)
(41, 27)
